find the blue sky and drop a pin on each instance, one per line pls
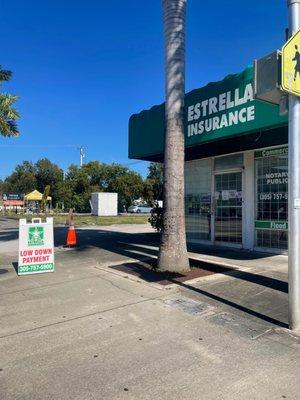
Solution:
(82, 68)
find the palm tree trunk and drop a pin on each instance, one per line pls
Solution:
(173, 252)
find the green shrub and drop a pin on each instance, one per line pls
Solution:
(156, 219)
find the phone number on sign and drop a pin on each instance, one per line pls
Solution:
(36, 267)
(273, 196)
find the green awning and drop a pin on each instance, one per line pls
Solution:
(216, 112)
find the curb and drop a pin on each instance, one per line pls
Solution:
(214, 276)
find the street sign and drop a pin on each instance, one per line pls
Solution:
(266, 78)
(290, 71)
(13, 196)
(36, 250)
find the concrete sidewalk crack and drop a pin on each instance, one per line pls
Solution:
(50, 285)
(120, 288)
(78, 318)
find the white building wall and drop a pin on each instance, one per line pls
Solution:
(104, 204)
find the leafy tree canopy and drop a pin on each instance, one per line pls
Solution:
(73, 189)
(22, 180)
(8, 114)
(28, 176)
(48, 173)
(153, 185)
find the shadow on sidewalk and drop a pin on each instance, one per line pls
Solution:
(148, 274)
(234, 305)
(143, 247)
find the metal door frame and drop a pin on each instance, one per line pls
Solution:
(213, 211)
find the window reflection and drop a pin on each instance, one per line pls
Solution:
(272, 199)
(198, 199)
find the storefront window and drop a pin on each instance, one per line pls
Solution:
(198, 199)
(228, 214)
(271, 198)
(229, 162)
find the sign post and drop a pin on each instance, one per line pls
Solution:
(36, 249)
(291, 83)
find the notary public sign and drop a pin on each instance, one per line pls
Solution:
(36, 249)
(290, 71)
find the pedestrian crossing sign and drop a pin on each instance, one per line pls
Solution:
(290, 65)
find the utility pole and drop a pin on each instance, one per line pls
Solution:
(82, 155)
(294, 187)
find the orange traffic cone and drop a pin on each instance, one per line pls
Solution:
(71, 237)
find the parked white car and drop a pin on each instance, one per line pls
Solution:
(139, 209)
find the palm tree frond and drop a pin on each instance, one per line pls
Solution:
(5, 74)
(8, 128)
(8, 114)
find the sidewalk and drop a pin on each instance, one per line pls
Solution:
(85, 332)
(239, 258)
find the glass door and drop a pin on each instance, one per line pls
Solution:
(228, 208)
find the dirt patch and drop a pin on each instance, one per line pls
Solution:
(147, 271)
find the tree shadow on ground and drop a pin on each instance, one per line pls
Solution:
(7, 234)
(207, 269)
(234, 305)
(97, 237)
(166, 278)
(143, 247)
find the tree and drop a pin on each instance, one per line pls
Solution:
(22, 180)
(28, 176)
(74, 190)
(173, 252)
(64, 195)
(48, 173)
(128, 184)
(95, 172)
(153, 185)
(129, 187)
(155, 171)
(8, 114)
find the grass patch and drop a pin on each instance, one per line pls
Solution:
(103, 221)
(80, 220)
